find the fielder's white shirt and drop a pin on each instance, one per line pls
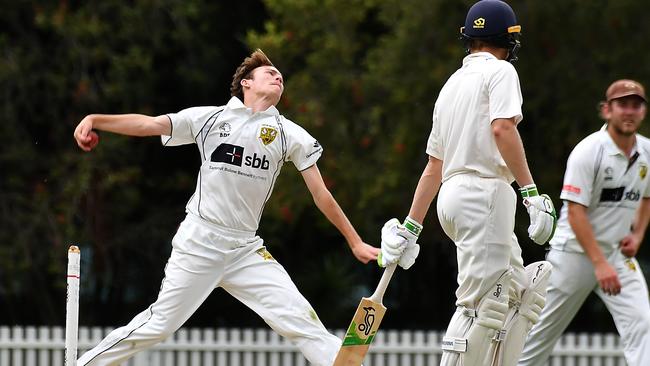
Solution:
(482, 90)
(599, 175)
(242, 154)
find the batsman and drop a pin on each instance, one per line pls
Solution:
(475, 153)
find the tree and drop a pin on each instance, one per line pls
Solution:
(363, 75)
(120, 203)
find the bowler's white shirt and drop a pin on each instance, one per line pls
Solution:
(599, 176)
(482, 90)
(242, 153)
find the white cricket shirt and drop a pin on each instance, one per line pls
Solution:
(242, 154)
(599, 175)
(482, 90)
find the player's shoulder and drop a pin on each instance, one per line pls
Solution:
(287, 122)
(504, 65)
(590, 144)
(595, 138)
(494, 65)
(202, 110)
(290, 126)
(643, 143)
(495, 70)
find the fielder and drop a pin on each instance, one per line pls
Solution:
(605, 185)
(242, 146)
(475, 153)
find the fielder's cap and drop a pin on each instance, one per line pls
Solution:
(623, 88)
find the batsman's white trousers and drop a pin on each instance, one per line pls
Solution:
(205, 257)
(571, 282)
(478, 214)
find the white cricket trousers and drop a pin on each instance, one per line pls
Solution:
(205, 257)
(478, 214)
(571, 282)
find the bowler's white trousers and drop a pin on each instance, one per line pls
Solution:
(205, 257)
(571, 282)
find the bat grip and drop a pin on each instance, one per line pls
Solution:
(378, 295)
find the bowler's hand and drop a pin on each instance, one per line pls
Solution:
(365, 252)
(630, 245)
(86, 138)
(607, 278)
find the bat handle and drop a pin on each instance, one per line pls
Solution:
(378, 295)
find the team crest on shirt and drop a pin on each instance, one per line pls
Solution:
(630, 264)
(268, 134)
(643, 170)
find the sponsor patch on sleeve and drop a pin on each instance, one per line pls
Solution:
(318, 148)
(571, 189)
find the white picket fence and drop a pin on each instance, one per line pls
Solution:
(43, 346)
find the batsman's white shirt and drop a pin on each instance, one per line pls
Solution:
(599, 176)
(476, 204)
(242, 154)
(482, 90)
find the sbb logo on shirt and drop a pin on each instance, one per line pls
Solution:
(619, 194)
(257, 162)
(234, 155)
(633, 195)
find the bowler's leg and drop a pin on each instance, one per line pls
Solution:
(189, 279)
(263, 285)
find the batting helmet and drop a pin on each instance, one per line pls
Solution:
(493, 22)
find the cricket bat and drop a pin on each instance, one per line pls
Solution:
(364, 325)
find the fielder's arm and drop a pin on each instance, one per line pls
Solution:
(426, 190)
(605, 273)
(124, 124)
(631, 243)
(331, 209)
(511, 148)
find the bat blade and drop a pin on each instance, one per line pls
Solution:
(360, 333)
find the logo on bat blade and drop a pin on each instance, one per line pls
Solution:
(368, 320)
(497, 293)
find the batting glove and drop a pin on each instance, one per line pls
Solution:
(543, 217)
(393, 243)
(411, 233)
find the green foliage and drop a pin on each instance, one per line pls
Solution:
(122, 202)
(361, 76)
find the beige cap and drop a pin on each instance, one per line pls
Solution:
(623, 88)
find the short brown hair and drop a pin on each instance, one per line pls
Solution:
(244, 71)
